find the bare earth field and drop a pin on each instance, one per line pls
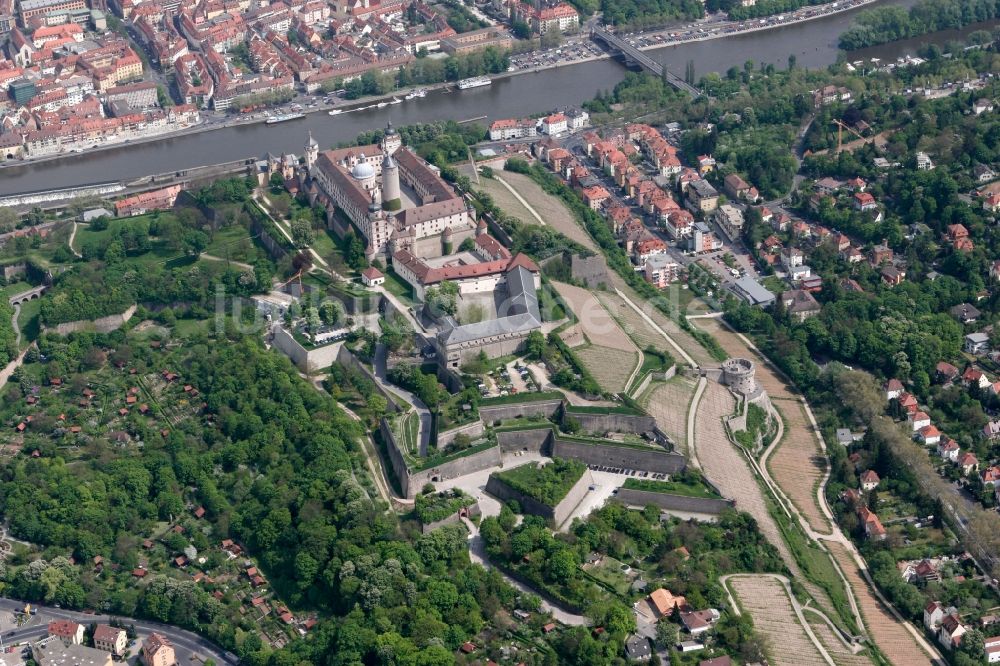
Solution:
(668, 404)
(892, 638)
(612, 368)
(550, 208)
(798, 465)
(595, 322)
(766, 599)
(507, 201)
(676, 333)
(638, 328)
(841, 655)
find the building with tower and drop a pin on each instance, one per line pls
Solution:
(395, 199)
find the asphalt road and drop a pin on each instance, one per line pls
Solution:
(188, 646)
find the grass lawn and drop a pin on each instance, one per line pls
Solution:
(186, 328)
(327, 245)
(399, 287)
(547, 484)
(28, 321)
(16, 288)
(609, 572)
(671, 487)
(234, 243)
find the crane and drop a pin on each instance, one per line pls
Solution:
(841, 126)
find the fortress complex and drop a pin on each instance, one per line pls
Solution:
(396, 199)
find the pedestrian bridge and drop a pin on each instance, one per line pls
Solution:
(632, 55)
(29, 295)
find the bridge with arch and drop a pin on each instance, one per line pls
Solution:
(29, 295)
(632, 55)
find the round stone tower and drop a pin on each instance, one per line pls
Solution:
(391, 198)
(312, 151)
(738, 374)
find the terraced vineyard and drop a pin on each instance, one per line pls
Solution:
(889, 634)
(842, 656)
(668, 404)
(612, 368)
(798, 464)
(767, 601)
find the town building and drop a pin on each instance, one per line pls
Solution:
(110, 639)
(158, 651)
(395, 199)
(69, 632)
(753, 292)
(52, 651)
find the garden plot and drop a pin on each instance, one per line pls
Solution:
(668, 404)
(638, 328)
(767, 602)
(889, 634)
(594, 321)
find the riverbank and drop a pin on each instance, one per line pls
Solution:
(714, 30)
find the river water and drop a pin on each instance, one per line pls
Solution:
(812, 42)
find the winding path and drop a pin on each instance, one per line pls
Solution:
(477, 553)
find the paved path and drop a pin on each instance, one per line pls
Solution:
(424, 431)
(186, 643)
(692, 411)
(17, 329)
(72, 237)
(656, 327)
(212, 257)
(477, 553)
(520, 199)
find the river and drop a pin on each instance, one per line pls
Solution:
(814, 44)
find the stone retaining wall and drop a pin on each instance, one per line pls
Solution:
(473, 511)
(546, 408)
(473, 430)
(668, 502)
(307, 360)
(102, 325)
(558, 513)
(602, 423)
(608, 455)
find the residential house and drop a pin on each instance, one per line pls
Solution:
(800, 304)
(110, 639)
(663, 602)
(791, 257)
(702, 196)
(929, 435)
(990, 476)
(968, 463)
(924, 162)
(965, 313)
(864, 202)
(918, 420)
(980, 106)
(893, 389)
(869, 480)
(637, 648)
(735, 187)
(158, 651)
(992, 428)
(951, 632)
(699, 622)
(892, 276)
(828, 185)
(872, 525)
(706, 164)
(661, 270)
(983, 174)
(933, 614)
(880, 254)
(991, 646)
(973, 376)
(71, 633)
(948, 449)
(977, 343)
(730, 220)
(945, 372)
